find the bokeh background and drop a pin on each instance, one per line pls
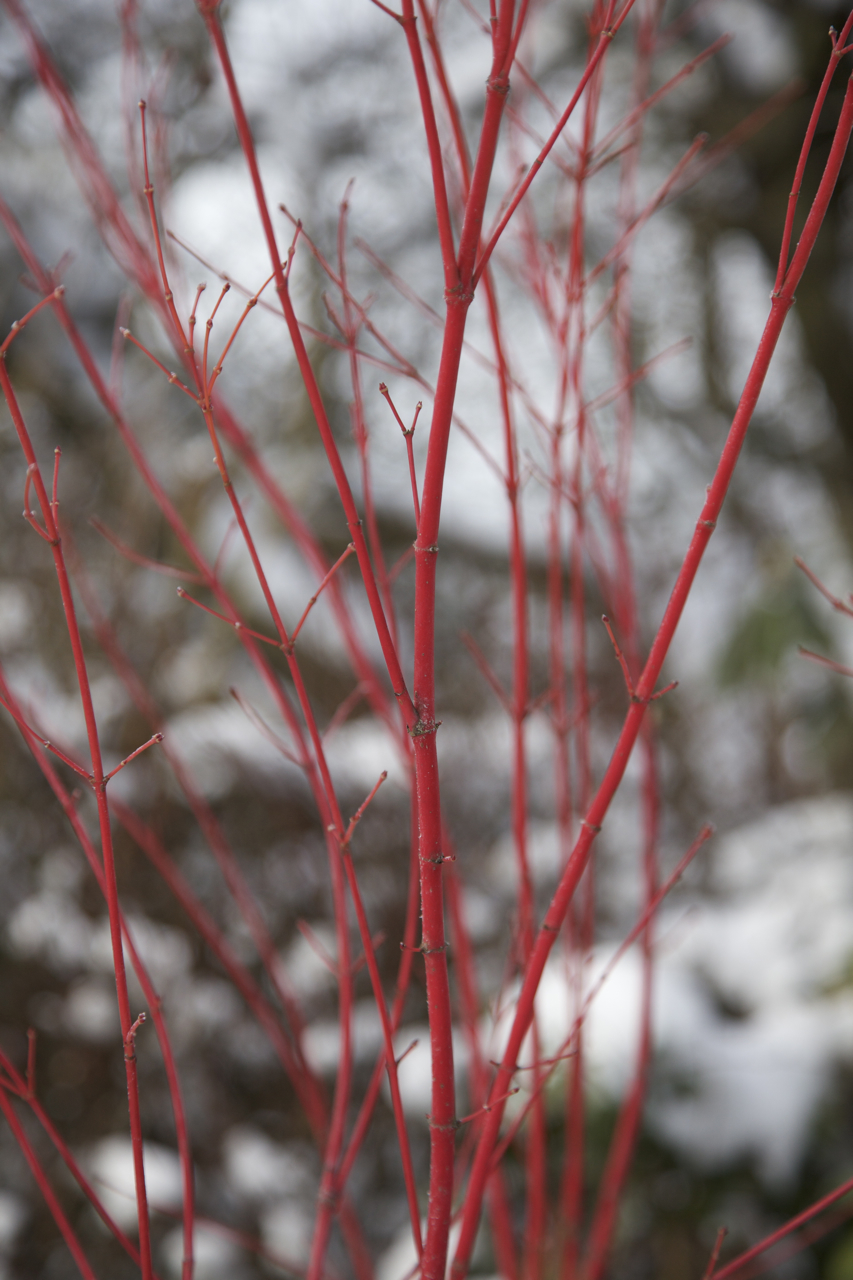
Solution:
(749, 1116)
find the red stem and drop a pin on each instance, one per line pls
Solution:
(97, 773)
(838, 49)
(781, 304)
(390, 1059)
(439, 184)
(624, 1140)
(500, 1213)
(154, 1004)
(203, 813)
(46, 1189)
(732, 1268)
(603, 45)
(312, 388)
(65, 1153)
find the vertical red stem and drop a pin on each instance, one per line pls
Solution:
(781, 305)
(49, 515)
(46, 1189)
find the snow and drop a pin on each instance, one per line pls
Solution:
(261, 1170)
(774, 942)
(286, 1231)
(762, 55)
(215, 1257)
(110, 1163)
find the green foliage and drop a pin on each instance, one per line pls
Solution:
(840, 1263)
(783, 618)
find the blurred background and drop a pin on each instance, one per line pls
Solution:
(749, 1116)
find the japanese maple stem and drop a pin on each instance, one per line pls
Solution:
(403, 977)
(215, 836)
(838, 47)
(325, 796)
(535, 1166)
(136, 259)
(780, 306)
(46, 1189)
(303, 359)
(443, 1120)
(573, 393)
(500, 1213)
(602, 46)
(535, 1156)
(732, 1268)
(152, 999)
(623, 1142)
(126, 1020)
(439, 183)
(390, 1060)
(67, 1157)
(298, 1070)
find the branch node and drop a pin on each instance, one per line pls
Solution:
(130, 1039)
(422, 727)
(450, 1127)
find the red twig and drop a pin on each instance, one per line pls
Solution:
(781, 304)
(835, 601)
(144, 562)
(155, 738)
(97, 775)
(318, 408)
(838, 50)
(838, 667)
(603, 45)
(56, 1210)
(408, 433)
(316, 596)
(732, 1268)
(715, 1253)
(154, 1003)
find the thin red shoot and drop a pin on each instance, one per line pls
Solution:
(838, 667)
(208, 329)
(31, 1062)
(408, 433)
(17, 325)
(56, 1210)
(603, 45)
(732, 1268)
(232, 622)
(155, 738)
(191, 323)
(145, 562)
(715, 1254)
(148, 192)
(835, 601)
(72, 764)
(487, 1106)
(620, 657)
(27, 513)
(316, 946)
(316, 596)
(482, 663)
(171, 376)
(359, 813)
(260, 724)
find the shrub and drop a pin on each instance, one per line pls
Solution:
(311, 835)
